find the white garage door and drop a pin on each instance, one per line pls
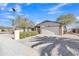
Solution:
(50, 30)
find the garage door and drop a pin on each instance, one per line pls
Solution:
(50, 30)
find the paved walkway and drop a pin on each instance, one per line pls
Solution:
(9, 47)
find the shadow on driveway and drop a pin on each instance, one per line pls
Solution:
(63, 48)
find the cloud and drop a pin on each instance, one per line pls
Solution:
(28, 4)
(55, 9)
(25, 4)
(77, 17)
(9, 17)
(6, 16)
(18, 8)
(58, 6)
(55, 12)
(3, 6)
(5, 22)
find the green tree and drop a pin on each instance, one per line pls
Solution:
(23, 22)
(67, 19)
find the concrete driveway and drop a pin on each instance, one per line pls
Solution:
(9, 47)
(54, 45)
(40, 45)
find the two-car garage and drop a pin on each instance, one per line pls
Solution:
(50, 27)
(50, 30)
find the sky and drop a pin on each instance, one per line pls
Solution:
(36, 12)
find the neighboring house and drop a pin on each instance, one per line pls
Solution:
(75, 30)
(22, 30)
(50, 27)
(5, 29)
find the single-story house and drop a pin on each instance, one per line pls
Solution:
(27, 29)
(47, 27)
(5, 29)
(75, 28)
(50, 27)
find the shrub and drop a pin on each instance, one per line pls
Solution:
(33, 33)
(27, 34)
(24, 34)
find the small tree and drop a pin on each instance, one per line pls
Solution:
(67, 19)
(23, 22)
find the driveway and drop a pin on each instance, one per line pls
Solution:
(40, 45)
(54, 45)
(9, 47)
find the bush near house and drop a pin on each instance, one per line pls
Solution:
(23, 35)
(27, 34)
(32, 33)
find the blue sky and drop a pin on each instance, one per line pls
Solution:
(37, 12)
